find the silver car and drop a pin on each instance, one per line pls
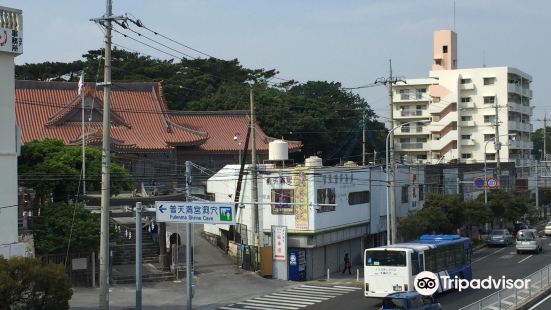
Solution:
(500, 237)
(529, 240)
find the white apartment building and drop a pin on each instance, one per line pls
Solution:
(463, 106)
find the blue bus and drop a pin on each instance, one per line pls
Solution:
(392, 268)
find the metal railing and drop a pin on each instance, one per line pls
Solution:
(513, 298)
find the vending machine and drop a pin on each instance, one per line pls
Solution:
(297, 265)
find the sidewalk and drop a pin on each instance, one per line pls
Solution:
(338, 278)
(218, 282)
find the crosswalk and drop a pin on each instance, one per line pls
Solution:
(293, 299)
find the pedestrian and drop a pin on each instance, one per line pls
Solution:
(346, 264)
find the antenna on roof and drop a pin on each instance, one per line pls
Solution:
(453, 15)
(483, 59)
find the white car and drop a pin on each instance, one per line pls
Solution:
(547, 229)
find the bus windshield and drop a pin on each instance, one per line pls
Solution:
(385, 258)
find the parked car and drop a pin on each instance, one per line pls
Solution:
(500, 237)
(529, 240)
(409, 301)
(547, 229)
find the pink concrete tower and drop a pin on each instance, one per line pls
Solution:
(445, 50)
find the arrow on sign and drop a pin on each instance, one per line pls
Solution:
(162, 209)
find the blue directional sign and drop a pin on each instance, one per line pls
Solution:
(195, 212)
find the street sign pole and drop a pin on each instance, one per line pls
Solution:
(138, 255)
(188, 239)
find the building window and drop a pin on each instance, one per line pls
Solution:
(326, 200)
(404, 140)
(489, 81)
(490, 99)
(435, 99)
(421, 140)
(491, 156)
(405, 193)
(422, 156)
(404, 94)
(444, 49)
(489, 119)
(420, 92)
(421, 192)
(466, 118)
(466, 81)
(465, 137)
(438, 62)
(489, 137)
(466, 155)
(356, 198)
(465, 99)
(282, 200)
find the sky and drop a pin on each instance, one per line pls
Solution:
(345, 41)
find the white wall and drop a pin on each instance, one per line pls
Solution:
(8, 157)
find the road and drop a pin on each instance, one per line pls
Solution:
(496, 262)
(544, 304)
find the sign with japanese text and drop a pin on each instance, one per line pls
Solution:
(11, 41)
(301, 198)
(279, 242)
(194, 212)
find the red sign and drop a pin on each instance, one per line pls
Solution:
(491, 183)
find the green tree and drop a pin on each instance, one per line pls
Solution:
(53, 169)
(537, 139)
(25, 284)
(53, 236)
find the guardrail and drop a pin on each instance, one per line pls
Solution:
(513, 298)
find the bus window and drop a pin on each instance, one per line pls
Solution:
(385, 258)
(414, 264)
(421, 262)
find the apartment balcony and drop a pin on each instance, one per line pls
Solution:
(466, 86)
(517, 89)
(412, 130)
(515, 145)
(468, 142)
(519, 108)
(413, 113)
(519, 126)
(410, 146)
(467, 124)
(467, 105)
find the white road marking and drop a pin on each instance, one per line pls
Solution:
(301, 297)
(329, 288)
(539, 303)
(315, 291)
(349, 287)
(227, 308)
(277, 299)
(483, 257)
(268, 304)
(260, 308)
(520, 261)
(311, 294)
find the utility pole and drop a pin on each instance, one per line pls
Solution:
(106, 21)
(497, 145)
(391, 168)
(105, 166)
(81, 93)
(363, 140)
(537, 189)
(139, 256)
(254, 187)
(189, 284)
(545, 137)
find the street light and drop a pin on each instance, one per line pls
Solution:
(498, 146)
(387, 178)
(237, 138)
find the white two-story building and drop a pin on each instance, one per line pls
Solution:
(328, 211)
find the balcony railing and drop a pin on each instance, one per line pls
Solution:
(467, 142)
(467, 105)
(411, 145)
(467, 124)
(411, 113)
(466, 86)
(11, 18)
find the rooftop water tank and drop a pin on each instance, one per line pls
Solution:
(313, 161)
(278, 150)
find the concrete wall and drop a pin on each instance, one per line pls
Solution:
(8, 156)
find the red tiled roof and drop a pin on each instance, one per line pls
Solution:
(222, 126)
(140, 119)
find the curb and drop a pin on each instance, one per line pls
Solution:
(535, 300)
